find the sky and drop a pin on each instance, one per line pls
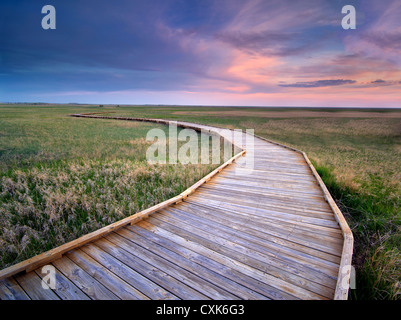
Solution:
(204, 52)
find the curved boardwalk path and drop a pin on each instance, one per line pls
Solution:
(270, 233)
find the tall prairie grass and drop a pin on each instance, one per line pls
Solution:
(44, 207)
(63, 177)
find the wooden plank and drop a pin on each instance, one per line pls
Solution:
(295, 235)
(257, 274)
(82, 280)
(273, 172)
(267, 179)
(194, 187)
(115, 284)
(316, 204)
(11, 290)
(153, 273)
(251, 174)
(279, 256)
(269, 155)
(346, 255)
(310, 189)
(243, 279)
(65, 289)
(277, 207)
(232, 289)
(267, 262)
(178, 268)
(284, 206)
(265, 223)
(266, 167)
(238, 192)
(205, 290)
(286, 249)
(269, 198)
(129, 275)
(272, 184)
(276, 143)
(271, 226)
(264, 210)
(293, 212)
(32, 285)
(265, 186)
(224, 266)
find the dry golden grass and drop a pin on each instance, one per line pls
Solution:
(63, 177)
(261, 113)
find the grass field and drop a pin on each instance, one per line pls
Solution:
(357, 153)
(62, 177)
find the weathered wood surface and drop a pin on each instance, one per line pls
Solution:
(272, 232)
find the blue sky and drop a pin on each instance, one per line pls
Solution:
(211, 52)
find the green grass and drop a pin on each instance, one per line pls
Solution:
(62, 177)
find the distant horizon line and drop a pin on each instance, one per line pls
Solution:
(188, 105)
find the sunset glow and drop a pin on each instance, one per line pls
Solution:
(226, 52)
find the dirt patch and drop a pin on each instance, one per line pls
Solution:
(293, 114)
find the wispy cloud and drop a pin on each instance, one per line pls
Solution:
(318, 83)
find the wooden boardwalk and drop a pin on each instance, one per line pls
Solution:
(268, 233)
